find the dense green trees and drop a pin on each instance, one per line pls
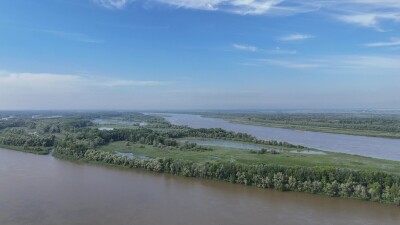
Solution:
(188, 146)
(75, 129)
(218, 133)
(32, 140)
(373, 186)
(11, 123)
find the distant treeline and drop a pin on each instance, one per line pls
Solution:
(75, 131)
(92, 138)
(346, 121)
(11, 123)
(218, 133)
(372, 186)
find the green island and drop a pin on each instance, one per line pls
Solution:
(136, 140)
(363, 124)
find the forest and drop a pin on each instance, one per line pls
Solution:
(75, 136)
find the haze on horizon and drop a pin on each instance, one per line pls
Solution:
(199, 54)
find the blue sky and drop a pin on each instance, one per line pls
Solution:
(199, 54)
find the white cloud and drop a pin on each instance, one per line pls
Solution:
(290, 64)
(366, 62)
(366, 13)
(366, 20)
(46, 81)
(372, 20)
(194, 4)
(254, 7)
(296, 37)
(112, 4)
(37, 81)
(276, 51)
(245, 47)
(376, 64)
(393, 42)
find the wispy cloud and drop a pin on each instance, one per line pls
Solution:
(254, 7)
(65, 81)
(276, 51)
(296, 37)
(366, 13)
(392, 43)
(78, 37)
(289, 64)
(69, 91)
(242, 7)
(132, 83)
(367, 63)
(112, 4)
(372, 20)
(242, 47)
(279, 51)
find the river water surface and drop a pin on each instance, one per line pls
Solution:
(383, 148)
(42, 190)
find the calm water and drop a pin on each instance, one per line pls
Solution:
(383, 148)
(41, 190)
(229, 144)
(117, 121)
(106, 128)
(131, 155)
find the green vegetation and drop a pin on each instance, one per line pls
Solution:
(34, 150)
(242, 156)
(158, 147)
(376, 125)
(365, 185)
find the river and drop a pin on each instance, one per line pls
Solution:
(42, 190)
(382, 148)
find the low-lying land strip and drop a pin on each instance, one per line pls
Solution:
(374, 125)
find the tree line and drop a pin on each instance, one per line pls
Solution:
(347, 121)
(32, 140)
(365, 185)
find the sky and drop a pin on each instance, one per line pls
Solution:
(199, 54)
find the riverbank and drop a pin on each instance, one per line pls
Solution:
(334, 182)
(60, 188)
(38, 151)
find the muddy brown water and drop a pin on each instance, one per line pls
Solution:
(42, 190)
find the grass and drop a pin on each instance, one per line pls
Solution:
(330, 159)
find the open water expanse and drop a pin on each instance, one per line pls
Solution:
(383, 148)
(42, 190)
